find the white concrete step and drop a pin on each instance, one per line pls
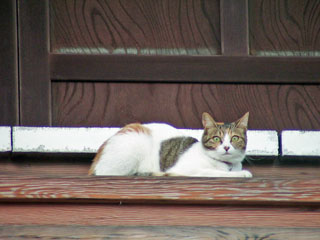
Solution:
(300, 143)
(5, 139)
(59, 139)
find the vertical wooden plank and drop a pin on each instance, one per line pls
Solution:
(34, 62)
(234, 27)
(8, 64)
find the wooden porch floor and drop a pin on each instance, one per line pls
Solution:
(56, 199)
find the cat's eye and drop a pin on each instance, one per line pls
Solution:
(235, 138)
(216, 139)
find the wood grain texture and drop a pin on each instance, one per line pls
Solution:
(9, 64)
(115, 104)
(45, 166)
(285, 28)
(157, 215)
(155, 232)
(189, 27)
(258, 191)
(35, 105)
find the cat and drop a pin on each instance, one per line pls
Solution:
(158, 149)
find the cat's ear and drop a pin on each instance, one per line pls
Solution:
(243, 122)
(207, 121)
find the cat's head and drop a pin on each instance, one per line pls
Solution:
(225, 142)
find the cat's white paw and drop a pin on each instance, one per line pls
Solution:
(246, 174)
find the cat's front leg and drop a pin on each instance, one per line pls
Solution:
(219, 173)
(236, 166)
(164, 174)
(241, 174)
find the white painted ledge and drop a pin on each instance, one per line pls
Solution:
(88, 140)
(59, 140)
(5, 139)
(300, 143)
(262, 143)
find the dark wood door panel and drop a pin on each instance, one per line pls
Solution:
(284, 28)
(115, 104)
(170, 27)
(34, 82)
(8, 64)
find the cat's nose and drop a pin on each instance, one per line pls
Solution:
(226, 148)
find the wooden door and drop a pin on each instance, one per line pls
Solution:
(108, 63)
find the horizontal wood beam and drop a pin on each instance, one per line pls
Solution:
(216, 69)
(147, 190)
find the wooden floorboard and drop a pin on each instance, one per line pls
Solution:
(49, 202)
(154, 232)
(78, 165)
(173, 190)
(158, 215)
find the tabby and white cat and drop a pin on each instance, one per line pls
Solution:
(161, 150)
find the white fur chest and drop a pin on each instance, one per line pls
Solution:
(195, 160)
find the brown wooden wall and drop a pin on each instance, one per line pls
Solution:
(136, 27)
(284, 28)
(108, 63)
(273, 106)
